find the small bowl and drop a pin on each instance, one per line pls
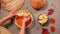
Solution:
(44, 22)
(31, 20)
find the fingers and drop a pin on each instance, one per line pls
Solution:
(14, 12)
(26, 19)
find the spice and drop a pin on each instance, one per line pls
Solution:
(26, 7)
(45, 31)
(52, 20)
(52, 29)
(37, 28)
(52, 4)
(50, 11)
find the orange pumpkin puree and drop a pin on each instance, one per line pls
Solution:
(19, 20)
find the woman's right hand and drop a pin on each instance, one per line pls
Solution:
(22, 31)
(25, 19)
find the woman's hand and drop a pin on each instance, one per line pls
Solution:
(22, 31)
(12, 14)
(25, 19)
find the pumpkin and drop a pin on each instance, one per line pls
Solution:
(37, 4)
